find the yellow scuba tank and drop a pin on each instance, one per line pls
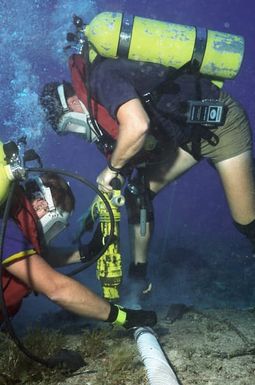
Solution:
(215, 54)
(5, 175)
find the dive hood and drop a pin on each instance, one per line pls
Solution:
(215, 54)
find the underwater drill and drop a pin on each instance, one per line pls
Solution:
(109, 265)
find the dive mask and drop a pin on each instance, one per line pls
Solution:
(75, 122)
(55, 220)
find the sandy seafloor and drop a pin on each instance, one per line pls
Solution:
(204, 347)
(210, 342)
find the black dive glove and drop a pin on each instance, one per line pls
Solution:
(129, 318)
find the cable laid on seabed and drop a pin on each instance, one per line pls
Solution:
(157, 365)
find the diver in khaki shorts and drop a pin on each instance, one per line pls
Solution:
(145, 100)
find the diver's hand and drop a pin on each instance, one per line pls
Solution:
(104, 180)
(129, 318)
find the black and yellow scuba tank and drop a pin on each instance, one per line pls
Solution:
(215, 54)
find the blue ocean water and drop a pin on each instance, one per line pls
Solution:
(195, 250)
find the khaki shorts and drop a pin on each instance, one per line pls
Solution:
(235, 137)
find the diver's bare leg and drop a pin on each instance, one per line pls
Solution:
(158, 178)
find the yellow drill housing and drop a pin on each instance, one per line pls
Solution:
(109, 265)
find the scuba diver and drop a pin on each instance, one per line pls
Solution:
(39, 212)
(159, 121)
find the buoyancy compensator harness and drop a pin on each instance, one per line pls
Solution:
(105, 143)
(192, 120)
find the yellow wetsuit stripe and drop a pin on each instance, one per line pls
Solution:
(19, 255)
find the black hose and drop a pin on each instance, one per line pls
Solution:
(6, 213)
(109, 239)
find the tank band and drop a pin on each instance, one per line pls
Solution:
(199, 48)
(125, 35)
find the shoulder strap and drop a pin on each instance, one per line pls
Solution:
(79, 73)
(185, 68)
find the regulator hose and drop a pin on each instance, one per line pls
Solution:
(85, 265)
